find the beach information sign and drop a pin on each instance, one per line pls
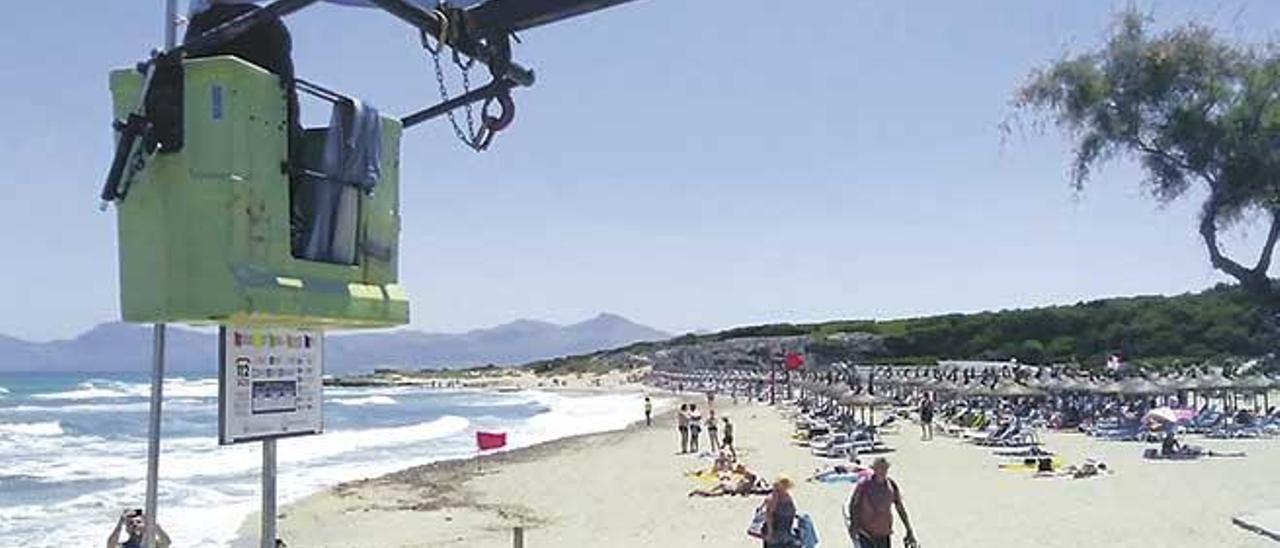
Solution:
(270, 385)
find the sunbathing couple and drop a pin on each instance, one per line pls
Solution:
(1090, 468)
(732, 478)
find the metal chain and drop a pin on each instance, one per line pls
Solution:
(469, 137)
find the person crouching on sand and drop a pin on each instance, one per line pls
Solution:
(870, 519)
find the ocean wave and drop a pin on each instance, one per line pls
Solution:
(578, 415)
(207, 490)
(368, 400)
(33, 429)
(96, 389)
(137, 406)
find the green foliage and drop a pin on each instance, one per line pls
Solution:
(1192, 109)
(1215, 324)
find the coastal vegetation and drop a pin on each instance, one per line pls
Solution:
(1218, 324)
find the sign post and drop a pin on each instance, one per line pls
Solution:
(268, 493)
(153, 433)
(270, 386)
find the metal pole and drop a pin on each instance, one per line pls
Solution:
(170, 24)
(153, 431)
(157, 357)
(268, 493)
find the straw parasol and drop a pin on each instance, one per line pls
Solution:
(1074, 384)
(1140, 386)
(1010, 389)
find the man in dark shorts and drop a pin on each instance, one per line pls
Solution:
(726, 443)
(926, 418)
(870, 518)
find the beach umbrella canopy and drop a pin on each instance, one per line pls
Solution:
(1108, 387)
(1010, 389)
(867, 400)
(1213, 381)
(1074, 384)
(1161, 418)
(1139, 386)
(1173, 383)
(1254, 383)
(946, 386)
(978, 389)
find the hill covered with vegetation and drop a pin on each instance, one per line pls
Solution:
(1216, 323)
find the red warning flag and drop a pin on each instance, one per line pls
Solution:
(490, 440)
(793, 361)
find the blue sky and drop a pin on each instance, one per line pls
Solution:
(688, 164)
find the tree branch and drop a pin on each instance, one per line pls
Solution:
(1145, 148)
(1209, 232)
(1264, 260)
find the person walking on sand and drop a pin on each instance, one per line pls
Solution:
(695, 428)
(870, 520)
(727, 441)
(648, 411)
(713, 431)
(926, 418)
(682, 424)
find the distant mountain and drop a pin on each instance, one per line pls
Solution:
(122, 347)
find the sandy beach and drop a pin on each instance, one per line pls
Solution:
(628, 488)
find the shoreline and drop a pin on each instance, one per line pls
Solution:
(439, 475)
(629, 487)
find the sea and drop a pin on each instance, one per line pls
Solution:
(73, 448)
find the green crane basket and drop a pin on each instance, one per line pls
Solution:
(205, 233)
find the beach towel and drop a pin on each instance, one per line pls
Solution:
(849, 477)
(1032, 464)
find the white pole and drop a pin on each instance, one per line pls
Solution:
(268, 493)
(153, 431)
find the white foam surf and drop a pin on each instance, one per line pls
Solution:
(34, 429)
(96, 389)
(367, 400)
(207, 491)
